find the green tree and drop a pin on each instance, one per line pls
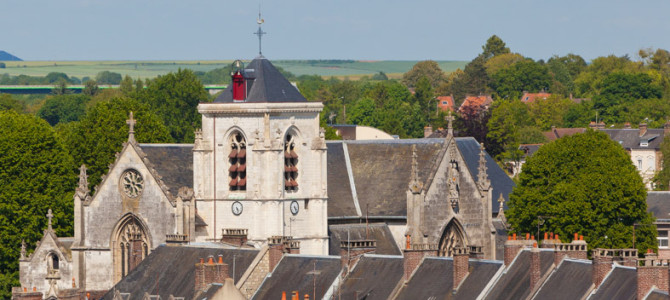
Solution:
(583, 183)
(494, 64)
(55, 77)
(494, 46)
(103, 130)
(2, 65)
(380, 76)
(36, 173)
(424, 97)
(107, 77)
(507, 118)
(174, 98)
(589, 82)
(662, 178)
(7, 102)
(525, 75)
(90, 88)
(427, 68)
(63, 108)
(126, 86)
(549, 112)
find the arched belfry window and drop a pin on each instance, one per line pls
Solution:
(290, 164)
(238, 162)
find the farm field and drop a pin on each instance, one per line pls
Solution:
(149, 69)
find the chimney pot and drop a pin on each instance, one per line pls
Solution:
(210, 260)
(306, 297)
(528, 236)
(532, 237)
(514, 236)
(220, 259)
(283, 295)
(576, 236)
(581, 237)
(35, 290)
(546, 236)
(25, 290)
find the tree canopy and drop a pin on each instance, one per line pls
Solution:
(36, 173)
(427, 68)
(584, 183)
(103, 130)
(63, 108)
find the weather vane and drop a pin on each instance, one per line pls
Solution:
(260, 31)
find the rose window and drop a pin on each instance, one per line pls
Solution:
(133, 183)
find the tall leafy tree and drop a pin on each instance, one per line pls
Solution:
(427, 68)
(7, 102)
(494, 46)
(103, 130)
(36, 173)
(584, 183)
(174, 98)
(522, 76)
(63, 108)
(107, 77)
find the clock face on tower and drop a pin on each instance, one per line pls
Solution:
(295, 207)
(237, 208)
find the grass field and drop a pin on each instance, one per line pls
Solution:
(150, 69)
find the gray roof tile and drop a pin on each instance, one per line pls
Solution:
(173, 162)
(306, 274)
(374, 277)
(571, 280)
(381, 233)
(620, 284)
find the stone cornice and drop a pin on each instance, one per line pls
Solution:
(258, 108)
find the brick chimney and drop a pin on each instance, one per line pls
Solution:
(278, 245)
(427, 131)
(534, 267)
(210, 272)
(550, 239)
(25, 294)
(593, 125)
(461, 266)
(601, 125)
(576, 249)
(234, 236)
(602, 262)
(643, 128)
(627, 125)
(352, 251)
(413, 254)
(513, 246)
(652, 273)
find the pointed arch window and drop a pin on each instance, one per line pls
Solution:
(237, 171)
(131, 244)
(452, 237)
(290, 164)
(53, 261)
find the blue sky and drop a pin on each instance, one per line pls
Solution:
(327, 29)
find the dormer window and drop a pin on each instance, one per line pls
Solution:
(290, 164)
(53, 262)
(237, 171)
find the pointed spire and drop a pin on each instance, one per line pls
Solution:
(450, 125)
(50, 216)
(131, 132)
(415, 184)
(23, 250)
(482, 176)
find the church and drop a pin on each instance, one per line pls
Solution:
(260, 169)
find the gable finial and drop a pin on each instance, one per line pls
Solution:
(50, 216)
(82, 189)
(131, 126)
(482, 176)
(260, 31)
(23, 250)
(450, 127)
(415, 184)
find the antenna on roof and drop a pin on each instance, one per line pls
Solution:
(260, 31)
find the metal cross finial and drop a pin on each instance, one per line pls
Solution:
(49, 216)
(131, 124)
(260, 31)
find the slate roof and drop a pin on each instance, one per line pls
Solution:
(374, 277)
(295, 272)
(500, 182)
(501, 237)
(658, 203)
(619, 284)
(571, 280)
(529, 149)
(171, 270)
(515, 282)
(381, 171)
(434, 279)
(264, 84)
(173, 162)
(630, 138)
(381, 233)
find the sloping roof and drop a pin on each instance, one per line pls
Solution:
(620, 284)
(500, 182)
(434, 279)
(571, 280)
(476, 102)
(173, 162)
(501, 237)
(445, 103)
(267, 85)
(631, 139)
(529, 149)
(303, 273)
(381, 172)
(515, 282)
(381, 233)
(658, 203)
(658, 295)
(531, 97)
(557, 133)
(374, 277)
(171, 270)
